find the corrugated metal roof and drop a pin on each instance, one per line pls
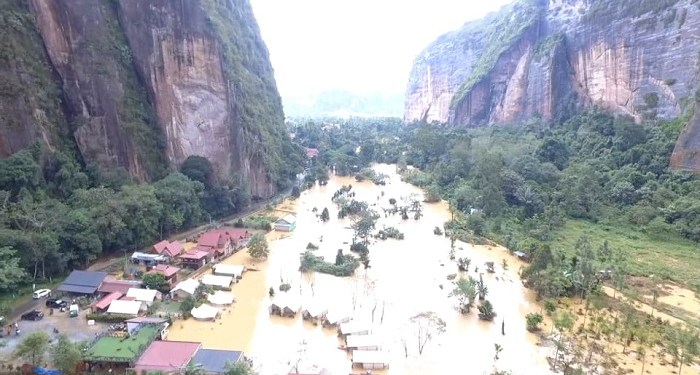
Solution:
(104, 302)
(85, 282)
(213, 360)
(166, 356)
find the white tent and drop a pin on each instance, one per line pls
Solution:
(215, 280)
(229, 270)
(221, 298)
(362, 342)
(188, 286)
(370, 359)
(124, 307)
(355, 327)
(205, 312)
(143, 295)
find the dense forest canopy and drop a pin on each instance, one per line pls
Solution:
(56, 215)
(595, 181)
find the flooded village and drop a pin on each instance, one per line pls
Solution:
(399, 315)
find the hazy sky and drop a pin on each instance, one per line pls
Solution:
(358, 45)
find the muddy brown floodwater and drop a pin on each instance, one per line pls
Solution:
(404, 279)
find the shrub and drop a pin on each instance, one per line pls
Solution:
(486, 311)
(107, 318)
(284, 287)
(311, 246)
(345, 267)
(533, 321)
(390, 232)
(359, 247)
(437, 231)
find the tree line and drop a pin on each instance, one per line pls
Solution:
(57, 215)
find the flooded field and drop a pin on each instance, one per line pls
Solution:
(406, 277)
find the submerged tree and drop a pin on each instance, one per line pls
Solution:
(258, 247)
(486, 311)
(465, 290)
(427, 325)
(481, 288)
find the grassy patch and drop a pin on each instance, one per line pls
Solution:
(122, 349)
(672, 257)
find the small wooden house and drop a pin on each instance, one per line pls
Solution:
(335, 317)
(286, 224)
(314, 314)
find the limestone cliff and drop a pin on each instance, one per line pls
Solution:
(544, 58)
(142, 85)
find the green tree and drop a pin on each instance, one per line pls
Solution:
(258, 247)
(194, 369)
(65, 355)
(465, 290)
(187, 305)
(481, 288)
(179, 197)
(553, 151)
(325, 216)
(239, 368)
(33, 347)
(684, 346)
(533, 321)
(154, 280)
(296, 193)
(486, 311)
(11, 274)
(198, 168)
(364, 224)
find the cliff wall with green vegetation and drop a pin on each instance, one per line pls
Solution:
(136, 87)
(549, 59)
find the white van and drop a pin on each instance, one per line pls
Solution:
(41, 293)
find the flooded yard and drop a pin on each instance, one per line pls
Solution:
(406, 277)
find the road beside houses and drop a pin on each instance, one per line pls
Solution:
(107, 264)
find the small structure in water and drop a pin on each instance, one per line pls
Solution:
(362, 342)
(335, 317)
(354, 327)
(286, 224)
(370, 359)
(284, 307)
(522, 256)
(490, 267)
(314, 314)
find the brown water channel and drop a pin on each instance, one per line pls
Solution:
(404, 279)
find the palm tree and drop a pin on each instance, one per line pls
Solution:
(486, 311)
(481, 288)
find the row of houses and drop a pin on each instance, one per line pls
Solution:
(143, 350)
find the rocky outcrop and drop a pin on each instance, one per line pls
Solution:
(546, 58)
(142, 85)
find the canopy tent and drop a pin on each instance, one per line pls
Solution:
(124, 307)
(234, 270)
(188, 286)
(221, 298)
(216, 280)
(205, 312)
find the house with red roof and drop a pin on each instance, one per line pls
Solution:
(167, 248)
(311, 152)
(224, 241)
(166, 356)
(196, 257)
(110, 285)
(170, 272)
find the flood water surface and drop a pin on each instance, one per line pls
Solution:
(406, 277)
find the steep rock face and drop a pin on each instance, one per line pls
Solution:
(142, 85)
(102, 98)
(29, 107)
(545, 58)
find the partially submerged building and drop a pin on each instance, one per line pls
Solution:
(166, 356)
(370, 359)
(215, 361)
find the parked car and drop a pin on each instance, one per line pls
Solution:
(54, 303)
(41, 293)
(33, 315)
